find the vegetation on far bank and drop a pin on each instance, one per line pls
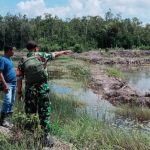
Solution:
(78, 34)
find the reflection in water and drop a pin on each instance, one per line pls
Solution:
(139, 79)
(95, 105)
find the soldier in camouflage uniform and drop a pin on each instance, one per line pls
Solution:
(37, 95)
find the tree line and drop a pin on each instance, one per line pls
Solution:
(79, 34)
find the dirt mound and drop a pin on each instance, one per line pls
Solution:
(126, 57)
(115, 90)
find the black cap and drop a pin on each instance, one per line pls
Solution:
(31, 44)
(7, 48)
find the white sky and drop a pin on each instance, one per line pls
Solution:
(78, 8)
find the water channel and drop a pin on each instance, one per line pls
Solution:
(139, 78)
(98, 108)
(95, 106)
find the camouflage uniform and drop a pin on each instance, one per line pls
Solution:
(37, 95)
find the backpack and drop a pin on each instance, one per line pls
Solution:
(34, 70)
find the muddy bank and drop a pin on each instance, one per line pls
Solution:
(116, 91)
(116, 57)
(122, 57)
(113, 89)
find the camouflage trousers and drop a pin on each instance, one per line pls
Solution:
(37, 102)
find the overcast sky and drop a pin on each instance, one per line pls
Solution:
(78, 8)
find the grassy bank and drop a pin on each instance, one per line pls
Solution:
(85, 132)
(134, 112)
(80, 130)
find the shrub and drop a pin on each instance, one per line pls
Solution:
(54, 47)
(114, 73)
(78, 48)
(143, 47)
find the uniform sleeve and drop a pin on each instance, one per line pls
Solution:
(1, 64)
(47, 56)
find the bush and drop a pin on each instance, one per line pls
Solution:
(78, 48)
(143, 47)
(79, 72)
(50, 48)
(114, 73)
(44, 49)
(54, 47)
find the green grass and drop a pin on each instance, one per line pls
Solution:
(95, 135)
(79, 72)
(70, 69)
(134, 112)
(26, 141)
(81, 131)
(114, 73)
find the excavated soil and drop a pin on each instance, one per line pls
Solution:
(114, 89)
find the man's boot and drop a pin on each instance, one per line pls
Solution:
(3, 121)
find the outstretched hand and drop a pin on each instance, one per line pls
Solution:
(60, 53)
(68, 52)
